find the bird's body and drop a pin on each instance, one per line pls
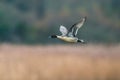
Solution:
(68, 39)
(70, 35)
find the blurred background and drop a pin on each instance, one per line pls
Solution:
(24, 22)
(32, 21)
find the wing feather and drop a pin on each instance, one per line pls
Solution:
(63, 30)
(74, 29)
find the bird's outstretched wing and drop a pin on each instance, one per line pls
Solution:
(63, 30)
(74, 29)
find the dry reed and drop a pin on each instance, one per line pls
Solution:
(57, 62)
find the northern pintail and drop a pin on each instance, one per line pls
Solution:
(70, 35)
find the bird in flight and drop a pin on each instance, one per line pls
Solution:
(69, 35)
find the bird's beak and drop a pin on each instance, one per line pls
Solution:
(49, 36)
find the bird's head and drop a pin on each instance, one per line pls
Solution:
(53, 36)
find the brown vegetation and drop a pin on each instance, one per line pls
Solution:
(90, 62)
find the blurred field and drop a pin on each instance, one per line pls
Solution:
(71, 62)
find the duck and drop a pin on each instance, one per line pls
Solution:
(69, 35)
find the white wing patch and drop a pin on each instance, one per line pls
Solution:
(63, 30)
(79, 25)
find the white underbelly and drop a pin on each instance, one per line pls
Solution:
(67, 39)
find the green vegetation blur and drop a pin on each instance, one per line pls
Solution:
(32, 21)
